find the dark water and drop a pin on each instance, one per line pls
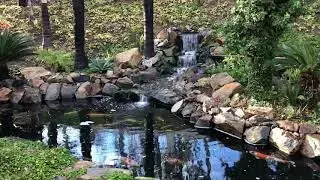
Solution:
(118, 138)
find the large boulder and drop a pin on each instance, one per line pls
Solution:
(35, 72)
(257, 135)
(229, 124)
(166, 96)
(124, 82)
(311, 146)
(257, 120)
(285, 141)
(262, 111)
(226, 91)
(110, 89)
(5, 94)
(68, 91)
(84, 91)
(307, 129)
(167, 37)
(43, 88)
(36, 82)
(53, 92)
(31, 96)
(220, 79)
(145, 76)
(96, 89)
(131, 58)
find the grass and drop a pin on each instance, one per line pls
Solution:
(22, 159)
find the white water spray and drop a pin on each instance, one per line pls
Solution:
(143, 101)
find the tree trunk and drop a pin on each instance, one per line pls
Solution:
(81, 61)
(46, 28)
(148, 29)
(23, 3)
(31, 18)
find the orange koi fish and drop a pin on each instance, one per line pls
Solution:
(263, 156)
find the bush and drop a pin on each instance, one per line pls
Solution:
(100, 65)
(254, 31)
(58, 60)
(118, 175)
(14, 46)
(22, 159)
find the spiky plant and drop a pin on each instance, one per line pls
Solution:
(101, 65)
(13, 46)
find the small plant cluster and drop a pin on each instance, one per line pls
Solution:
(60, 61)
(22, 159)
(100, 65)
(117, 175)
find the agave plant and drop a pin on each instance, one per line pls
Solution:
(300, 55)
(100, 65)
(13, 46)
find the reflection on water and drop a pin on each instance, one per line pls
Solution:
(178, 153)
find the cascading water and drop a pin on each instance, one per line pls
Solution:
(188, 59)
(143, 101)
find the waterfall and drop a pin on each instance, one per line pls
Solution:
(143, 101)
(188, 59)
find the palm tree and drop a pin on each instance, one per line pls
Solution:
(148, 29)
(81, 61)
(46, 28)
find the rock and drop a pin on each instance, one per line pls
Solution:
(226, 91)
(16, 96)
(285, 141)
(150, 62)
(230, 124)
(131, 58)
(58, 78)
(239, 112)
(311, 146)
(5, 94)
(84, 91)
(110, 89)
(195, 116)
(257, 135)
(68, 91)
(166, 96)
(81, 164)
(188, 109)
(257, 120)
(288, 125)
(201, 98)
(96, 89)
(219, 80)
(263, 111)
(145, 76)
(307, 129)
(53, 92)
(43, 88)
(81, 78)
(217, 51)
(175, 108)
(31, 96)
(97, 173)
(35, 72)
(169, 35)
(60, 178)
(204, 122)
(36, 82)
(225, 109)
(111, 75)
(124, 82)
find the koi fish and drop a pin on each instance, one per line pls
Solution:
(260, 155)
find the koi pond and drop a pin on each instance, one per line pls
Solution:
(113, 134)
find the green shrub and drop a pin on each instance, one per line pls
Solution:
(100, 65)
(118, 175)
(254, 31)
(14, 46)
(22, 159)
(58, 60)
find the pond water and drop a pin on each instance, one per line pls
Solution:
(113, 134)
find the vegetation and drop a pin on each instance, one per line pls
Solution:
(13, 46)
(101, 65)
(57, 60)
(21, 159)
(118, 175)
